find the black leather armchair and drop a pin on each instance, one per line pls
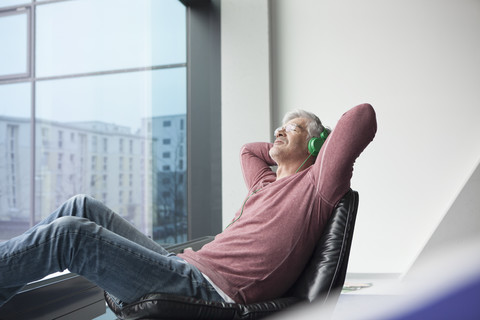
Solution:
(322, 280)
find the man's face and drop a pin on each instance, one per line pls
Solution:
(291, 141)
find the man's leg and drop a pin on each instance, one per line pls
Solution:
(87, 207)
(128, 265)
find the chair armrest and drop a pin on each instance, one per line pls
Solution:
(194, 244)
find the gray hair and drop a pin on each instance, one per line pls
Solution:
(314, 126)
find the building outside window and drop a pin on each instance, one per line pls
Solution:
(77, 98)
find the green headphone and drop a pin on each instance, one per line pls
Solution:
(315, 144)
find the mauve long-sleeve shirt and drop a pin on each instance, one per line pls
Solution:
(262, 253)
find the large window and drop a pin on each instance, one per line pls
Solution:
(93, 99)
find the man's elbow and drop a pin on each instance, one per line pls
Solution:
(366, 116)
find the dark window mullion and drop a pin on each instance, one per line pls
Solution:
(204, 118)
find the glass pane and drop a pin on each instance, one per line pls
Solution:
(14, 44)
(8, 3)
(90, 35)
(15, 153)
(99, 135)
(170, 213)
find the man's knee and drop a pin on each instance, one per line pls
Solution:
(67, 224)
(80, 204)
(81, 198)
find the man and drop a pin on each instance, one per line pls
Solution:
(261, 254)
(257, 257)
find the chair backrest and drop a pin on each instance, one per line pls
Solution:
(324, 275)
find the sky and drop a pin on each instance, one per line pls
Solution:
(118, 34)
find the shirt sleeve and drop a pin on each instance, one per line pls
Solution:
(333, 168)
(255, 161)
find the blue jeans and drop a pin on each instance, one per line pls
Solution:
(87, 238)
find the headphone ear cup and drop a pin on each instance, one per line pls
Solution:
(314, 146)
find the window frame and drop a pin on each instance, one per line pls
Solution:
(203, 118)
(204, 198)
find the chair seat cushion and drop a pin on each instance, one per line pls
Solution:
(172, 307)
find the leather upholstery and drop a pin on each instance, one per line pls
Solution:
(325, 273)
(322, 280)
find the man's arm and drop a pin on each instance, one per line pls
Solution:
(255, 161)
(334, 165)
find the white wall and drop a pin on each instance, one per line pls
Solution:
(246, 110)
(416, 61)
